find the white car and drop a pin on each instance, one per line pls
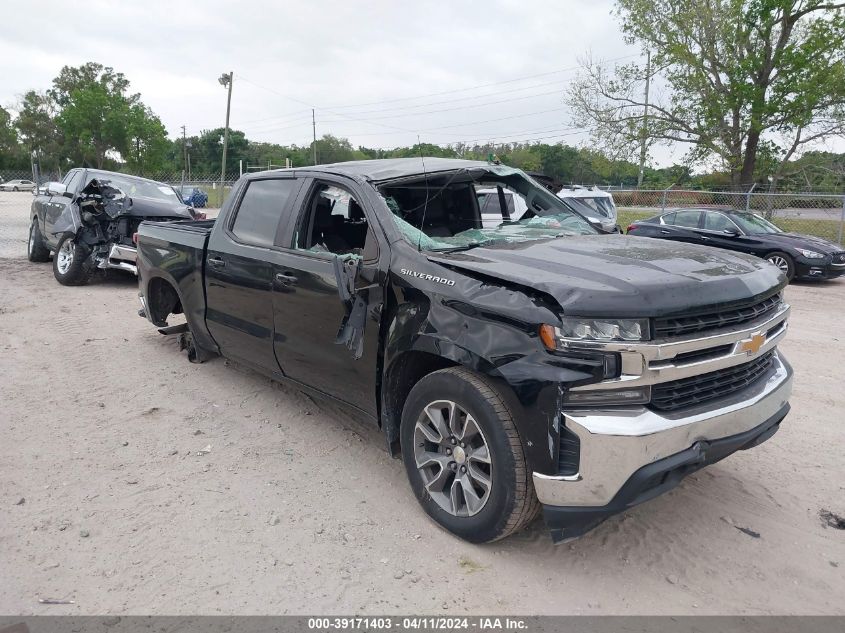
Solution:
(593, 203)
(491, 209)
(17, 185)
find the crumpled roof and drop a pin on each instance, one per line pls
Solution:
(380, 170)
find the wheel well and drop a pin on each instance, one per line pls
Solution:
(404, 372)
(162, 299)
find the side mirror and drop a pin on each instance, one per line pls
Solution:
(731, 232)
(55, 189)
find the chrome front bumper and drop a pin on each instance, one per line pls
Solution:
(120, 258)
(615, 444)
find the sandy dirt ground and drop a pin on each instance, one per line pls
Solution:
(108, 498)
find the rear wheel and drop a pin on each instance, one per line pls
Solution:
(784, 262)
(464, 458)
(36, 250)
(72, 264)
(15, 189)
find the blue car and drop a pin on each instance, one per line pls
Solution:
(194, 196)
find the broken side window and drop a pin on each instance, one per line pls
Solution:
(333, 221)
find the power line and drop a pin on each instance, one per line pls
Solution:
(324, 109)
(433, 129)
(487, 85)
(332, 109)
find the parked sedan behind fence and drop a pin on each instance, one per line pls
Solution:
(798, 256)
(17, 185)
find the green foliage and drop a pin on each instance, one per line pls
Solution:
(12, 155)
(88, 117)
(743, 80)
(37, 129)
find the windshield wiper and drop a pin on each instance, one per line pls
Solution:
(454, 249)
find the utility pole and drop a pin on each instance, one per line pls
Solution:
(184, 158)
(644, 132)
(314, 131)
(225, 80)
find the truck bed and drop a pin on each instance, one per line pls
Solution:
(175, 252)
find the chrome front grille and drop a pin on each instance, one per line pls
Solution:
(687, 369)
(678, 326)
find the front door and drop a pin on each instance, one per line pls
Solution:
(328, 296)
(720, 231)
(55, 207)
(239, 272)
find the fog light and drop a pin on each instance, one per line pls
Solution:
(638, 395)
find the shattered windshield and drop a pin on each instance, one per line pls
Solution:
(442, 213)
(138, 188)
(593, 207)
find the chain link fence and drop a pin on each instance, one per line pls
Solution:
(819, 214)
(209, 183)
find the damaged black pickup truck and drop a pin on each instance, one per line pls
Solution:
(534, 365)
(90, 218)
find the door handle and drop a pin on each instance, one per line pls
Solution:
(665, 232)
(216, 262)
(704, 238)
(287, 280)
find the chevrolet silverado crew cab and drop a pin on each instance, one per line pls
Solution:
(532, 366)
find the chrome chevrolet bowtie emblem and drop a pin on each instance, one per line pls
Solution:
(752, 345)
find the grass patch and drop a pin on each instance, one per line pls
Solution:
(213, 193)
(827, 229)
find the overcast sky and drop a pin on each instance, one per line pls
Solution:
(377, 72)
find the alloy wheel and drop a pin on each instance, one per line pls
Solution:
(31, 244)
(65, 257)
(780, 262)
(453, 458)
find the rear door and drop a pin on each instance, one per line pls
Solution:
(680, 226)
(239, 270)
(327, 317)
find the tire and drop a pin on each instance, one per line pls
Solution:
(36, 250)
(15, 189)
(72, 265)
(480, 516)
(784, 262)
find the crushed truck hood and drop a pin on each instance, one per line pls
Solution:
(149, 208)
(623, 276)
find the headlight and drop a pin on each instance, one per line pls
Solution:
(810, 254)
(601, 330)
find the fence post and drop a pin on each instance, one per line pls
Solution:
(842, 219)
(748, 198)
(663, 201)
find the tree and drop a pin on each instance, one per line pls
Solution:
(94, 123)
(36, 127)
(331, 149)
(736, 75)
(11, 156)
(147, 143)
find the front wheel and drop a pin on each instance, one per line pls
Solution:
(784, 262)
(463, 457)
(36, 250)
(72, 265)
